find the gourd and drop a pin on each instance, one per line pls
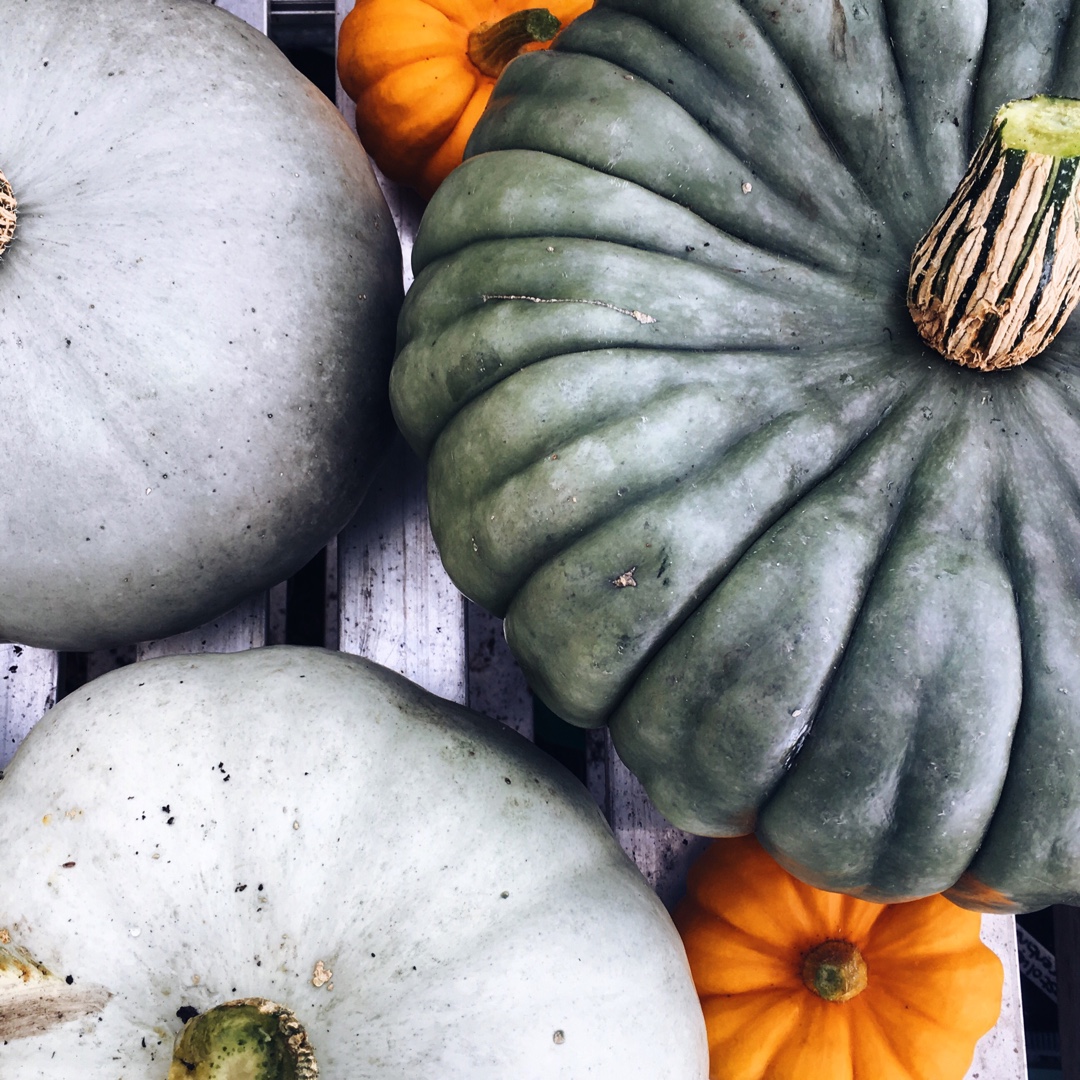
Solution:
(386, 882)
(683, 433)
(421, 73)
(197, 300)
(796, 982)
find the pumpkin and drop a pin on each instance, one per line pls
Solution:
(421, 73)
(197, 301)
(299, 850)
(797, 982)
(683, 433)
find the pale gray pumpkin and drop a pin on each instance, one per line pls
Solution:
(196, 312)
(429, 894)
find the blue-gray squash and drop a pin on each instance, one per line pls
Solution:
(299, 849)
(197, 301)
(682, 431)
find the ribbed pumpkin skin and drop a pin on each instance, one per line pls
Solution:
(933, 989)
(196, 319)
(819, 581)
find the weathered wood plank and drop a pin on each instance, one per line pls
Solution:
(27, 692)
(497, 686)
(397, 606)
(244, 627)
(254, 12)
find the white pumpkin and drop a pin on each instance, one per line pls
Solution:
(197, 310)
(427, 893)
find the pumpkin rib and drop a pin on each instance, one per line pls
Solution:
(590, 690)
(679, 67)
(1045, 597)
(543, 91)
(882, 1050)
(860, 128)
(460, 348)
(790, 706)
(724, 429)
(749, 1027)
(911, 776)
(1021, 53)
(406, 34)
(446, 88)
(621, 211)
(945, 72)
(446, 157)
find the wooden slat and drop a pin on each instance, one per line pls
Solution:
(497, 688)
(27, 692)
(397, 606)
(244, 627)
(254, 12)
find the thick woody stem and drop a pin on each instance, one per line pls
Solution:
(998, 273)
(493, 45)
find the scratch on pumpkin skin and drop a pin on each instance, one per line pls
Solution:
(838, 32)
(640, 316)
(625, 580)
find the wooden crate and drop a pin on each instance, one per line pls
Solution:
(387, 597)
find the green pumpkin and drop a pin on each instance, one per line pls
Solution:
(197, 305)
(206, 857)
(821, 582)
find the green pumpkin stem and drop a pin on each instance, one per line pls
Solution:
(493, 45)
(835, 971)
(998, 273)
(246, 1039)
(7, 213)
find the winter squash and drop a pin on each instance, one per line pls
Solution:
(421, 73)
(296, 849)
(797, 982)
(197, 298)
(683, 432)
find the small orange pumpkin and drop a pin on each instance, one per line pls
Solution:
(800, 983)
(421, 72)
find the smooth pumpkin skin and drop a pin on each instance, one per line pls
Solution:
(658, 327)
(418, 95)
(192, 830)
(933, 989)
(196, 319)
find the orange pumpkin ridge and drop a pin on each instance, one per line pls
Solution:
(910, 988)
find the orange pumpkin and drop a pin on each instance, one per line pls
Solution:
(421, 72)
(800, 983)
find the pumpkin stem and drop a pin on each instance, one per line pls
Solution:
(7, 213)
(246, 1039)
(493, 45)
(835, 971)
(998, 273)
